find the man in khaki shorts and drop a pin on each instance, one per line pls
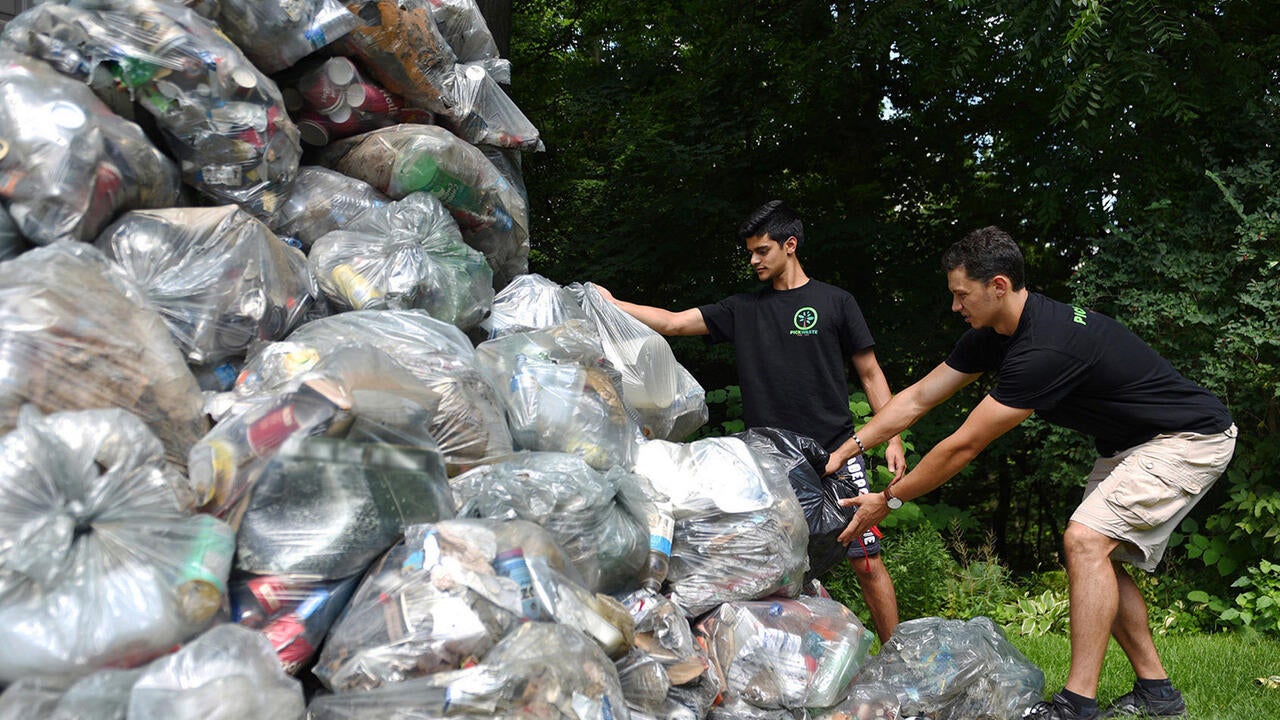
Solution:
(1163, 441)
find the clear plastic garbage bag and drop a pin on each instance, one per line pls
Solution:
(101, 562)
(806, 461)
(407, 254)
(227, 462)
(531, 302)
(68, 165)
(11, 243)
(463, 26)
(664, 395)
(329, 507)
(221, 117)
(952, 669)
(785, 654)
(561, 393)
(321, 201)
(666, 675)
(598, 518)
(402, 47)
(228, 673)
(275, 35)
(404, 159)
(219, 277)
(294, 612)
(76, 333)
(542, 671)
(442, 597)
(104, 695)
(468, 424)
(740, 533)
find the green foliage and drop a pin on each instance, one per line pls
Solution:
(1043, 614)
(1256, 605)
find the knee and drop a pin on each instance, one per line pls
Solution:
(868, 569)
(1083, 543)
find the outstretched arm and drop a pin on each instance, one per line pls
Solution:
(663, 322)
(988, 421)
(877, 389)
(903, 410)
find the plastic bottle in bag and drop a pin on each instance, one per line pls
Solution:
(661, 528)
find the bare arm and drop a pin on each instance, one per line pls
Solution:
(877, 388)
(663, 322)
(903, 410)
(988, 421)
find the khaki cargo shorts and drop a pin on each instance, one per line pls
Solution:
(1139, 496)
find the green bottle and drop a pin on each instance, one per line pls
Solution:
(421, 172)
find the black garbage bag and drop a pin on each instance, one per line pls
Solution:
(819, 496)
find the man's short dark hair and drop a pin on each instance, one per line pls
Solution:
(985, 254)
(774, 219)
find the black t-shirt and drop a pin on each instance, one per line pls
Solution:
(1085, 371)
(792, 346)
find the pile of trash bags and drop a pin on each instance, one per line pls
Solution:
(289, 429)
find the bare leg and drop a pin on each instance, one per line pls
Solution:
(877, 590)
(1095, 601)
(1132, 629)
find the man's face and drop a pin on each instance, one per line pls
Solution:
(767, 256)
(975, 300)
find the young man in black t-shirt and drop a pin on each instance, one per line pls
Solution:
(792, 339)
(1162, 441)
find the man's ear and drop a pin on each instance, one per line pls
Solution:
(789, 246)
(1001, 284)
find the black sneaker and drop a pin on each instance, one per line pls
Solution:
(1059, 708)
(1143, 704)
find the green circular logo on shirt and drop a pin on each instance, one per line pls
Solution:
(805, 318)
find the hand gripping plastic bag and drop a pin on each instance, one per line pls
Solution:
(952, 669)
(594, 516)
(329, 507)
(101, 562)
(806, 460)
(557, 402)
(275, 35)
(445, 595)
(220, 278)
(542, 671)
(404, 159)
(321, 201)
(68, 165)
(76, 333)
(468, 424)
(228, 673)
(407, 254)
(221, 117)
(740, 534)
(785, 653)
(531, 302)
(669, 402)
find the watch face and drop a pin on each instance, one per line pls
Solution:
(894, 503)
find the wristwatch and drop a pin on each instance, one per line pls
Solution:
(893, 502)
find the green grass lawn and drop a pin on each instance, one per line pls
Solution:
(1215, 672)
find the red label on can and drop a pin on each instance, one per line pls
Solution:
(270, 592)
(286, 637)
(271, 430)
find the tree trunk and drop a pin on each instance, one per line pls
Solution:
(497, 13)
